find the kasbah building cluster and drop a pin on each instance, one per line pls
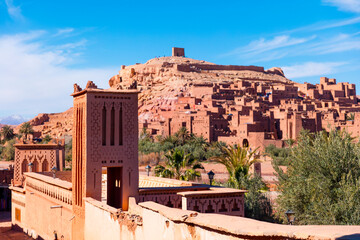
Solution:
(260, 113)
(104, 197)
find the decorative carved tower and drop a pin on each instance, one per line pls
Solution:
(105, 136)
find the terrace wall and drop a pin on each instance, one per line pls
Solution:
(152, 221)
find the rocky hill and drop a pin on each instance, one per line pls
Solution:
(161, 81)
(57, 125)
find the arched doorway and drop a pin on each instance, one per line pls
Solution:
(245, 143)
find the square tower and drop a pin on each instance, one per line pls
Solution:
(178, 52)
(105, 135)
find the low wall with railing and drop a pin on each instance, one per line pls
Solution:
(56, 189)
(48, 204)
(62, 175)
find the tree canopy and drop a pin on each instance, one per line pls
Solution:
(26, 129)
(322, 181)
(7, 133)
(237, 161)
(180, 166)
(183, 140)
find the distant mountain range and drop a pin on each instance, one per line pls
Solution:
(12, 120)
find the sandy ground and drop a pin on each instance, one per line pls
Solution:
(6, 233)
(221, 174)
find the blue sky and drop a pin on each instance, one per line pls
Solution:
(46, 46)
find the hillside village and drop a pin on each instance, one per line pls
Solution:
(233, 104)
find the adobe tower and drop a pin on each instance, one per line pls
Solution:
(105, 135)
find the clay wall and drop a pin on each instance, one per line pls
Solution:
(63, 175)
(152, 221)
(211, 67)
(44, 206)
(199, 91)
(18, 210)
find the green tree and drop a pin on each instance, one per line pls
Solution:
(257, 205)
(8, 152)
(180, 166)
(322, 181)
(26, 129)
(237, 161)
(280, 156)
(7, 133)
(183, 135)
(350, 117)
(68, 153)
(46, 139)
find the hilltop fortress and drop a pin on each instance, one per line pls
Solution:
(235, 104)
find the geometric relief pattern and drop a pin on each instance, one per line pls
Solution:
(95, 142)
(232, 205)
(115, 155)
(167, 199)
(228, 204)
(17, 166)
(130, 126)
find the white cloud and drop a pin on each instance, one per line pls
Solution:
(337, 44)
(310, 69)
(14, 11)
(263, 45)
(285, 46)
(35, 77)
(345, 5)
(336, 24)
(63, 31)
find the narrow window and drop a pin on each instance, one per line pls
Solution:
(94, 180)
(112, 124)
(104, 126)
(129, 178)
(120, 127)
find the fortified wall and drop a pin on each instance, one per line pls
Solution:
(213, 67)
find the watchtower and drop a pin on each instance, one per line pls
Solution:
(178, 52)
(105, 136)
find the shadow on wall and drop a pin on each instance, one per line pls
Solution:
(349, 237)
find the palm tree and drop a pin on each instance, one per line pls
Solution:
(7, 132)
(26, 129)
(237, 161)
(182, 135)
(46, 139)
(180, 166)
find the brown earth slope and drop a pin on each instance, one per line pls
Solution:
(57, 125)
